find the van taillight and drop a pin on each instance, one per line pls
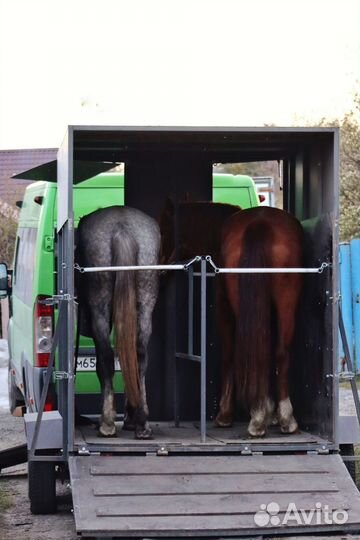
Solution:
(262, 198)
(43, 331)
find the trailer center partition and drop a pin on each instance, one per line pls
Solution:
(171, 162)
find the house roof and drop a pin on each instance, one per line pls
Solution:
(14, 162)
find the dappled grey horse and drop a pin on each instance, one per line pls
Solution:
(119, 236)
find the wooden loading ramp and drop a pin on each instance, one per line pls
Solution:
(212, 496)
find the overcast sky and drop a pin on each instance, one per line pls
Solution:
(172, 62)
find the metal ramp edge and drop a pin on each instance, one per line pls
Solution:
(182, 496)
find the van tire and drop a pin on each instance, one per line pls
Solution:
(16, 399)
(42, 487)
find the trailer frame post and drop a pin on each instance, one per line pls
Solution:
(203, 351)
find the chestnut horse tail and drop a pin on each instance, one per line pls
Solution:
(125, 314)
(253, 336)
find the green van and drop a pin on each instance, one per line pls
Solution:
(32, 322)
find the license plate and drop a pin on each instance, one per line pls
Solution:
(88, 363)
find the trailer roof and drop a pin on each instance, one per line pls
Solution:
(99, 148)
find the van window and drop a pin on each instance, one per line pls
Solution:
(24, 264)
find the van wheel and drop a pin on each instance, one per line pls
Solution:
(348, 450)
(42, 487)
(16, 399)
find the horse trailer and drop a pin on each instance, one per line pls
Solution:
(193, 479)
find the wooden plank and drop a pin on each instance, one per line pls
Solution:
(214, 504)
(214, 483)
(209, 525)
(140, 465)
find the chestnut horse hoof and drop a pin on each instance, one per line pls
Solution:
(290, 428)
(222, 422)
(256, 431)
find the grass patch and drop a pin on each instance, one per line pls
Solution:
(5, 500)
(357, 465)
(347, 384)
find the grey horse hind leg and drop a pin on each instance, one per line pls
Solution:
(105, 371)
(147, 294)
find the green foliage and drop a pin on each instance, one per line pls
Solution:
(5, 500)
(349, 171)
(8, 227)
(350, 174)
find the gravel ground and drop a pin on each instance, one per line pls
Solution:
(16, 521)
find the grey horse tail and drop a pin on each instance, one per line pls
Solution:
(124, 314)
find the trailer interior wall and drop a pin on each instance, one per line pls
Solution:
(172, 161)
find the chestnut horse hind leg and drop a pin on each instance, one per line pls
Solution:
(246, 245)
(286, 291)
(226, 323)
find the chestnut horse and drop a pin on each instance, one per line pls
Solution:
(255, 311)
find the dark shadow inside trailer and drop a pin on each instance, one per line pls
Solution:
(172, 162)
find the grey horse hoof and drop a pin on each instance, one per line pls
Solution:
(107, 431)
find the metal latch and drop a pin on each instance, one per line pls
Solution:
(83, 451)
(61, 375)
(246, 451)
(55, 299)
(323, 449)
(162, 451)
(342, 376)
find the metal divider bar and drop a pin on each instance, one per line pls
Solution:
(84, 270)
(191, 311)
(203, 352)
(189, 355)
(271, 270)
